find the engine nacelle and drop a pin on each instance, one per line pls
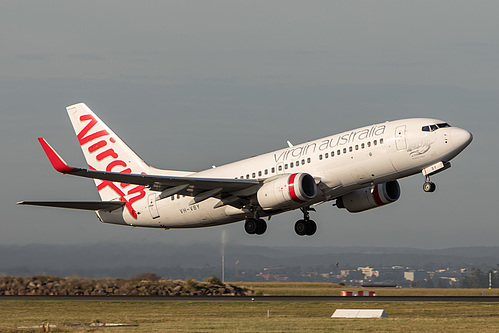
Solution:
(287, 190)
(369, 197)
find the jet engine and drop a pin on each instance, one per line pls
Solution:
(287, 190)
(370, 197)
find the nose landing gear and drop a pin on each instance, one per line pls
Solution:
(429, 186)
(305, 226)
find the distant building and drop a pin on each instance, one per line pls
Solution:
(343, 273)
(416, 275)
(368, 272)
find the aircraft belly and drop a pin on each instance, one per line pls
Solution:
(182, 214)
(114, 217)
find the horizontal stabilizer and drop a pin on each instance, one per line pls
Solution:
(84, 205)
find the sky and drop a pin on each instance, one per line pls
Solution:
(191, 84)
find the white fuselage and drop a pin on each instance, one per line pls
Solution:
(340, 164)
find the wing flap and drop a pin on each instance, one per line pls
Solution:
(83, 205)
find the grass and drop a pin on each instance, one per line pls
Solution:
(250, 317)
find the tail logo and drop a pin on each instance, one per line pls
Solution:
(85, 136)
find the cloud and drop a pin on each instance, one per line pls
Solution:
(33, 57)
(85, 56)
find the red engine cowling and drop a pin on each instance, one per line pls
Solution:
(369, 197)
(287, 190)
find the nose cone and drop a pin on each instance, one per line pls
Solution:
(461, 138)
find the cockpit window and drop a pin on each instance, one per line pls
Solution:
(431, 128)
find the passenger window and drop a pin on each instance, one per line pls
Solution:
(286, 166)
(291, 164)
(363, 145)
(381, 141)
(253, 175)
(344, 150)
(338, 152)
(259, 173)
(280, 167)
(173, 197)
(356, 147)
(242, 177)
(297, 163)
(320, 157)
(247, 176)
(369, 144)
(266, 171)
(326, 155)
(350, 149)
(309, 160)
(332, 153)
(375, 142)
(273, 170)
(302, 162)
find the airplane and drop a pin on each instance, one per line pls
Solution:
(357, 168)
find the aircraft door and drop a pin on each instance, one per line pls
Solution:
(153, 209)
(400, 138)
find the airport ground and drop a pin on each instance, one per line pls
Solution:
(258, 316)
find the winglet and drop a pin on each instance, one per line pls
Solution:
(57, 162)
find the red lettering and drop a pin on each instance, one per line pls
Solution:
(111, 165)
(104, 154)
(140, 190)
(141, 193)
(82, 139)
(97, 145)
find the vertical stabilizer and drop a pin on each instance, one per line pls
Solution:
(105, 151)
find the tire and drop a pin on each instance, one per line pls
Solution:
(429, 187)
(301, 227)
(311, 228)
(250, 226)
(261, 227)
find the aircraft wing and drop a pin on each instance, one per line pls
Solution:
(85, 205)
(170, 184)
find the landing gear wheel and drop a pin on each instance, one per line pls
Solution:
(311, 228)
(251, 226)
(255, 226)
(429, 187)
(261, 227)
(301, 227)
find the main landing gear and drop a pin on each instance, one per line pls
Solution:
(306, 226)
(255, 226)
(429, 186)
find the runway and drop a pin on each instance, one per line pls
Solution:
(247, 299)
